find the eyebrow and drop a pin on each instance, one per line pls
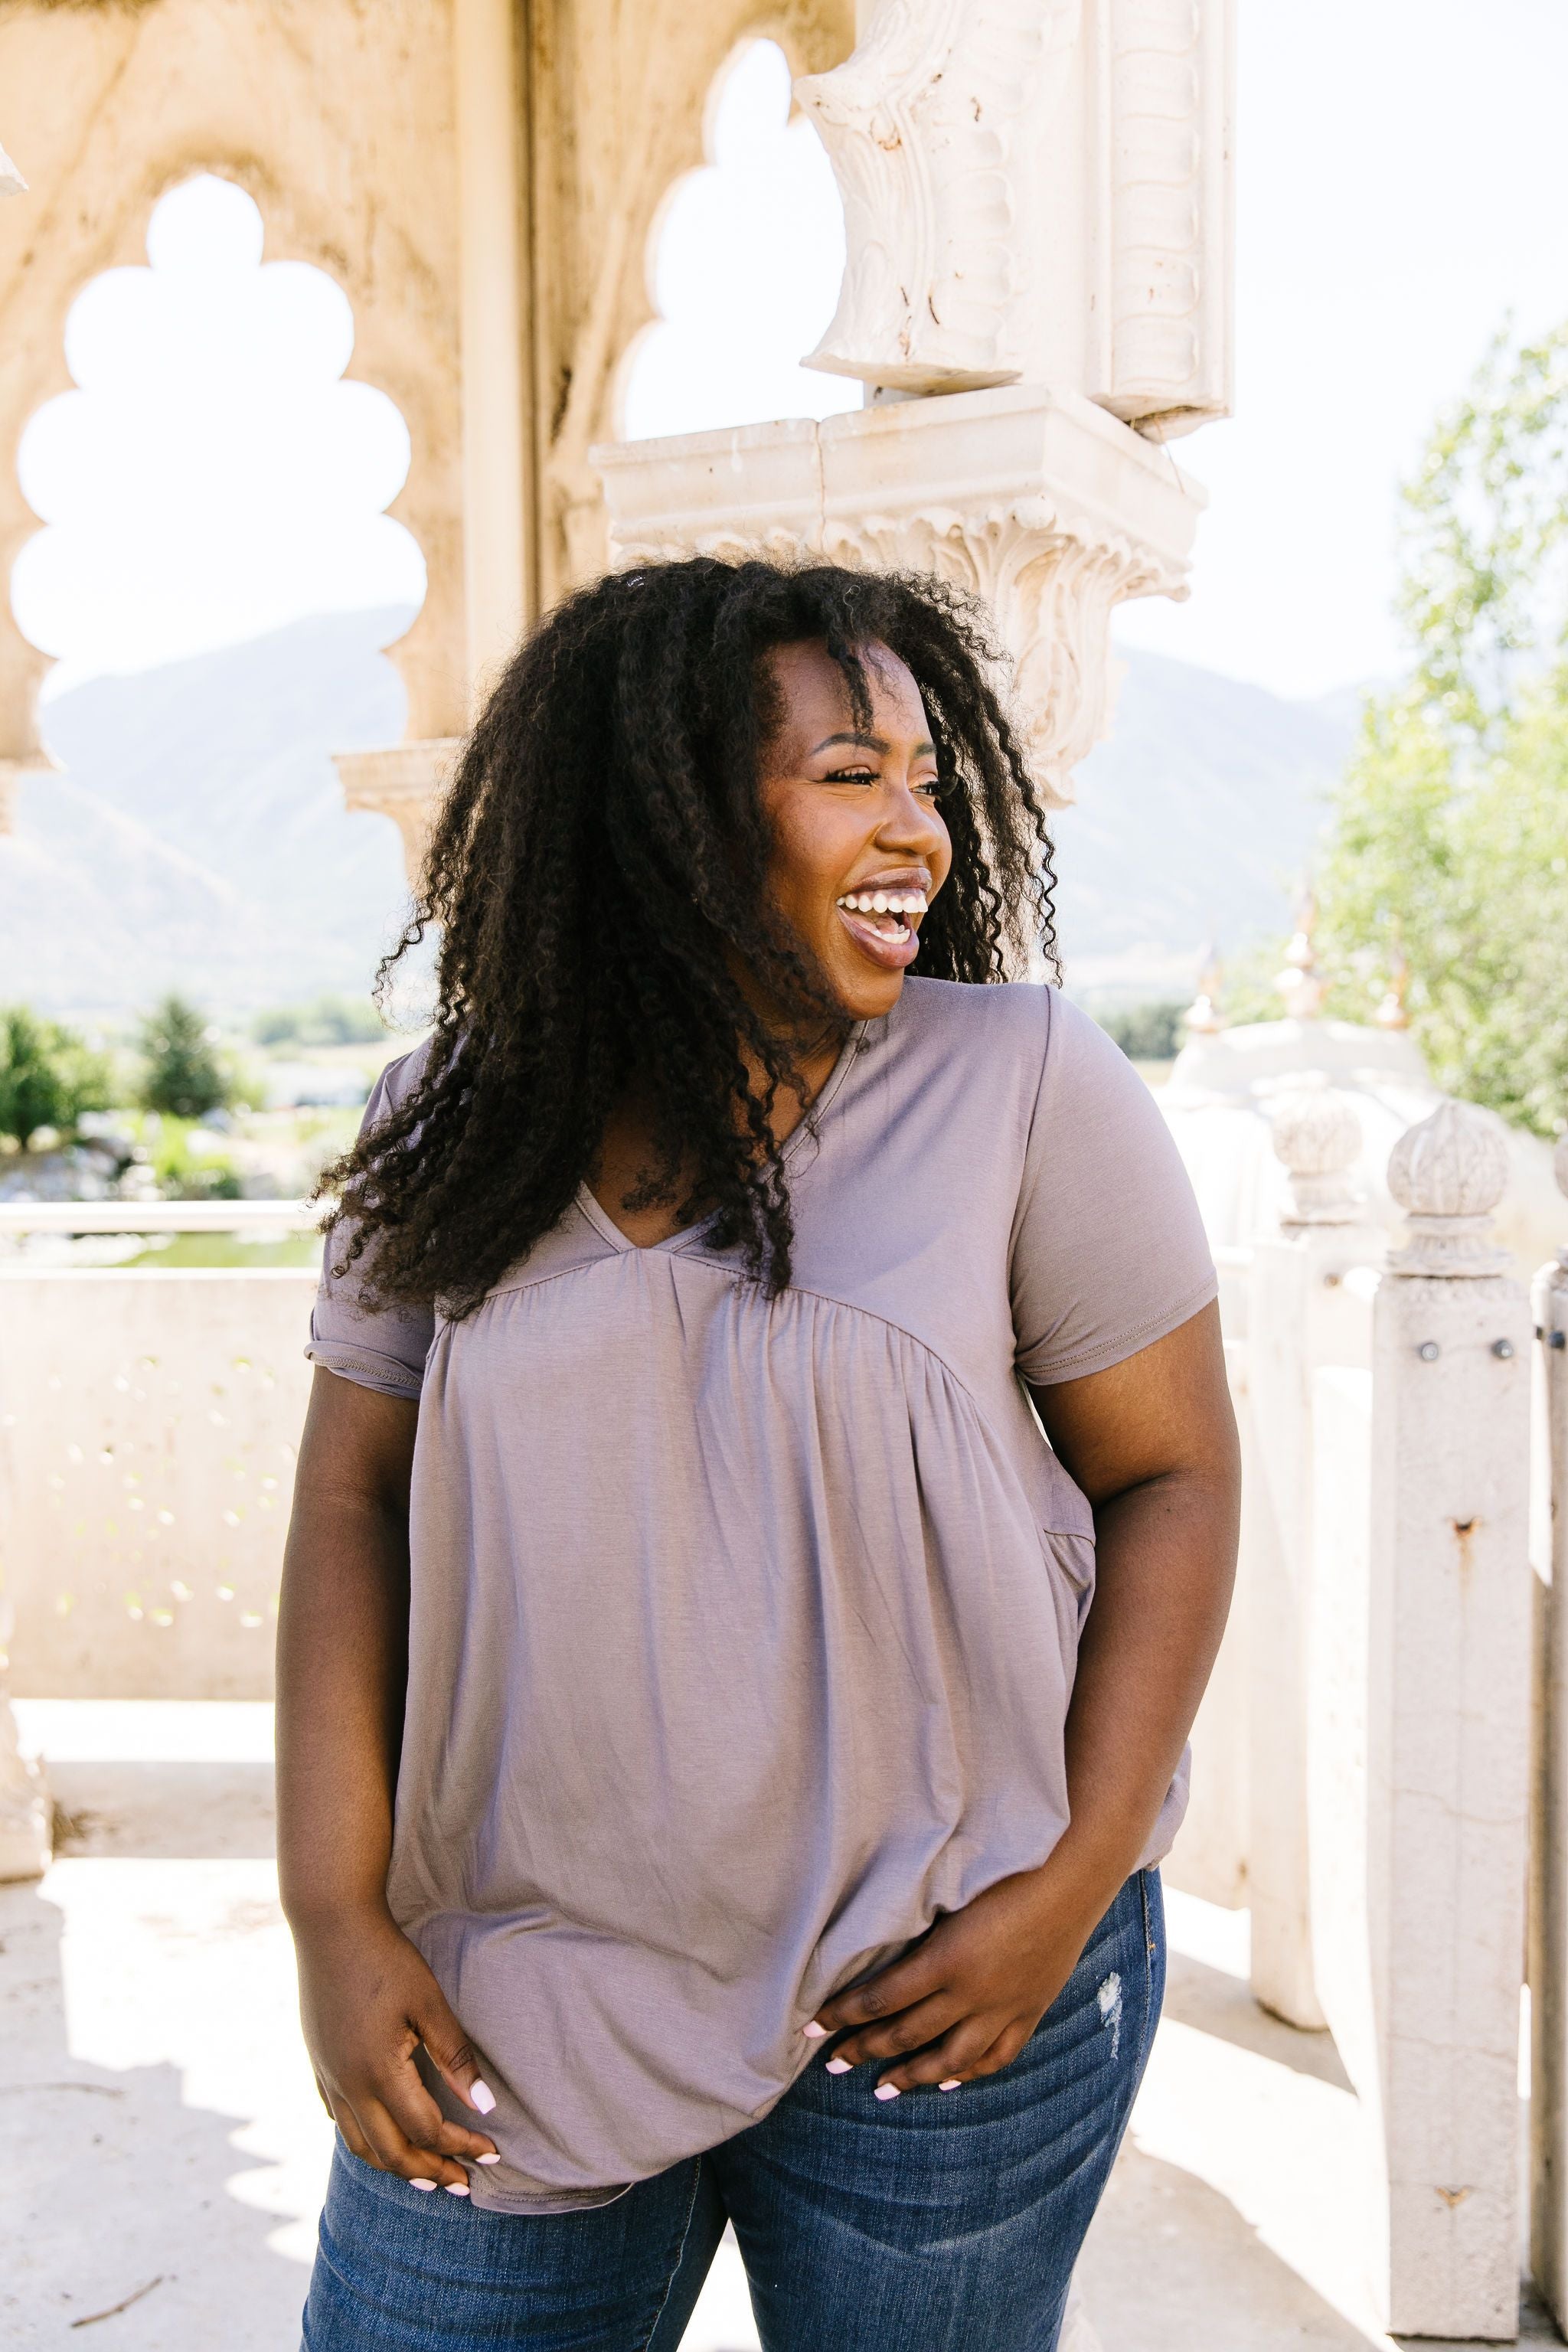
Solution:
(871, 744)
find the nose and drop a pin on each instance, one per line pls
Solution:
(909, 824)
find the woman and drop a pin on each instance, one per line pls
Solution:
(706, 1789)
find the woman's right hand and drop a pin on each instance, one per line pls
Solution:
(367, 2001)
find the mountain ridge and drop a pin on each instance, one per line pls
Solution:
(196, 837)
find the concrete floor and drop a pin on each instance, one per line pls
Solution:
(165, 2151)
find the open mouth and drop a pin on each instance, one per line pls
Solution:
(881, 924)
(884, 911)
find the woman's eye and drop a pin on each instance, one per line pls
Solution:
(931, 785)
(852, 776)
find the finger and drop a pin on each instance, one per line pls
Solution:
(948, 2063)
(899, 1987)
(451, 2051)
(397, 2153)
(347, 2123)
(1005, 2048)
(911, 2028)
(402, 2090)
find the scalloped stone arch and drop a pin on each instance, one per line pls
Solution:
(338, 123)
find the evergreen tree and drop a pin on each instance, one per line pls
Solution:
(182, 1076)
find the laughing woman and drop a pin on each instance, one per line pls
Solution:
(764, 1522)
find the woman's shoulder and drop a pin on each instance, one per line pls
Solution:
(399, 1079)
(1045, 1047)
(1012, 1016)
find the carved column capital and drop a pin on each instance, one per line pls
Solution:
(406, 782)
(1041, 506)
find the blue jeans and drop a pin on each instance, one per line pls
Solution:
(942, 2221)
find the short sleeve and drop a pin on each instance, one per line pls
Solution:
(380, 1348)
(1108, 1252)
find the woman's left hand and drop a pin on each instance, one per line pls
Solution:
(972, 1991)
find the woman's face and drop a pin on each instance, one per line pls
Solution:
(855, 819)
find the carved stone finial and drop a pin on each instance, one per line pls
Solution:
(1447, 1174)
(1203, 1016)
(1317, 1134)
(1298, 983)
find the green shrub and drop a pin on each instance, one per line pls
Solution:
(325, 1020)
(1146, 1032)
(183, 1174)
(48, 1075)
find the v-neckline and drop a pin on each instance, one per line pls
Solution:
(599, 1217)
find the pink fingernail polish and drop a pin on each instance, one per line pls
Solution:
(422, 2184)
(456, 2187)
(815, 2032)
(487, 2160)
(953, 2086)
(886, 2090)
(483, 2098)
(837, 2067)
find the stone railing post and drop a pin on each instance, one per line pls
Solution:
(1549, 1837)
(1420, 1954)
(27, 1837)
(1299, 1317)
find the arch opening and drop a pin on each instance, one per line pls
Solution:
(744, 261)
(215, 577)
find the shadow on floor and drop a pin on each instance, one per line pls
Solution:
(1170, 2267)
(114, 2190)
(1215, 2002)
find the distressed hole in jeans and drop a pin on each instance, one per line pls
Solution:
(1110, 2000)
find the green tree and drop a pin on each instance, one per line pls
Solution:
(48, 1076)
(182, 1076)
(1449, 844)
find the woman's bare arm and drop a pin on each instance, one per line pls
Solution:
(1153, 1443)
(367, 1998)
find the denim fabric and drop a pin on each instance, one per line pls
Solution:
(941, 2221)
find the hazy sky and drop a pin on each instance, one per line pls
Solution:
(1401, 187)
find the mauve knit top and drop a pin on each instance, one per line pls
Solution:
(742, 1630)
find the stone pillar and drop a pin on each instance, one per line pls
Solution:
(497, 493)
(1037, 216)
(1549, 1839)
(1299, 1319)
(1422, 1692)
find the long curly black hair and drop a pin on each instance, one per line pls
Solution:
(597, 866)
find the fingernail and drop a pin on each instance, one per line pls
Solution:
(456, 2187)
(487, 2160)
(837, 2067)
(422, 2184)
(886, 2090)
(815, 2032)
(483, 2098)
(953, 2086)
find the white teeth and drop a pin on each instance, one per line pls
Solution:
(884, 902)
